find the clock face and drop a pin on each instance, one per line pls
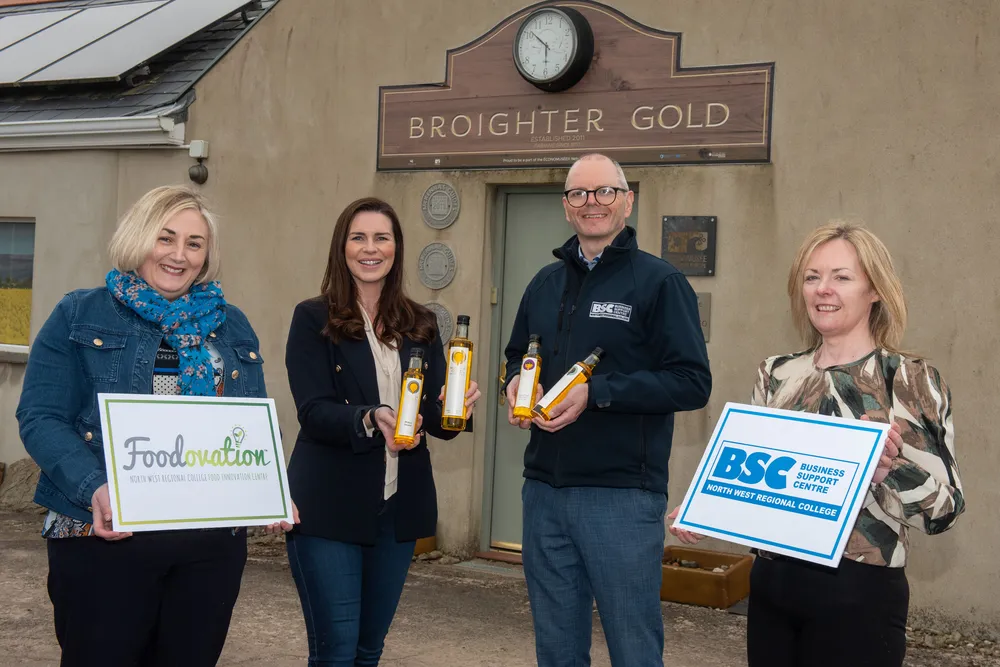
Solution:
(546, 45)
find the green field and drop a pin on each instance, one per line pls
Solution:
(15, 316)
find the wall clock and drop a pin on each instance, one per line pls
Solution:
(553, 48)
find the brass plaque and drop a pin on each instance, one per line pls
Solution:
(439, 206)
(689, 243)
(444, 320)
(436, 265)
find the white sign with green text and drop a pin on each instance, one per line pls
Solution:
(180, 462)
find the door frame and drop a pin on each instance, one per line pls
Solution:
(498, 338)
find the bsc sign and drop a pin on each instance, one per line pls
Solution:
(799, 484)
(788, 482)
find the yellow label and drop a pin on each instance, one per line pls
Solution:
(409, 407)
(564, 382)
(458, 382)
(526, 385)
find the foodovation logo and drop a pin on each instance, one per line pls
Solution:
(812, 485)
(229, 454)
(413, 386)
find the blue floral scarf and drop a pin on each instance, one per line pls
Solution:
(185, 323)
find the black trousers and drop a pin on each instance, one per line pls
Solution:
(806, 615)
(151, 600)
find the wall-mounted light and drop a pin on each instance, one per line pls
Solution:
(199, 172)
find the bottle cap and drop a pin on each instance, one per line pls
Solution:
(417, 352)
(597, 352)
(534, 338)
(463, 319)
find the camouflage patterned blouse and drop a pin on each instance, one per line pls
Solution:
(923, 489)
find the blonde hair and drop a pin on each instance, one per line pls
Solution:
(139, 228)
(887, 318)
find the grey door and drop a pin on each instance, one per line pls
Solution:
(533, 223)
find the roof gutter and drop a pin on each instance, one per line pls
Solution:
(90, 133)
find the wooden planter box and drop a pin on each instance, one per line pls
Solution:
(703, 587)
(425, 545)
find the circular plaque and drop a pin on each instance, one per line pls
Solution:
(444, 320)
(439, 205)
(436, 265)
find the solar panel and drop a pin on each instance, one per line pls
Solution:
(63, 38)
(104, 42)
(16, 27)
(119, 52)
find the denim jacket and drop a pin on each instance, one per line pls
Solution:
(91, 343)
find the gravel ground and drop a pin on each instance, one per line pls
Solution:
(470, 613)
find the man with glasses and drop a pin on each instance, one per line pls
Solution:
(594, 495)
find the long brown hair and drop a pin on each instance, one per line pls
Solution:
(398, 315)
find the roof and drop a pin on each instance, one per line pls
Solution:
(5, 3)
(164, 84)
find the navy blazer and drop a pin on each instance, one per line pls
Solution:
(336, 472)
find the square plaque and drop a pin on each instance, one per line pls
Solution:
(689, 243)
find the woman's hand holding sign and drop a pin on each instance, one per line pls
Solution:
(893, 446)
(685, 536)
(283, 526)
(100, 504)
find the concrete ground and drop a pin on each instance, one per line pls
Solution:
(471, 614)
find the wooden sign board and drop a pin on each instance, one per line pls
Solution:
(635, 103)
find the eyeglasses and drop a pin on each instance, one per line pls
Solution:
(605, 196)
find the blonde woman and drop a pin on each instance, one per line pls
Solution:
(159, 325)
(847, 302)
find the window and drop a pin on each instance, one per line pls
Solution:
(17, 255)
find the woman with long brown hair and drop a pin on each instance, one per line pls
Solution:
(363, 499)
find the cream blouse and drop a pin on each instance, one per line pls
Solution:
(388, 372)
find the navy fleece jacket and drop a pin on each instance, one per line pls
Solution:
(644, 314)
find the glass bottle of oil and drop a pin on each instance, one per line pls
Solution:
(456, 383)
(527, 384)
(577, 374)
(409, 399)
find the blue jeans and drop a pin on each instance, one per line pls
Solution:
(587, 543)
(349, 592)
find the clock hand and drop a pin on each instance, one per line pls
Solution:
(542, 41)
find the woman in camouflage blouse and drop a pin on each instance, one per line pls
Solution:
(848, 304)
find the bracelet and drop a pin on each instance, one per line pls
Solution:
(371, 413)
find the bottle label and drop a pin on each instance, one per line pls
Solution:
(458, 381)
(564, 382)
(409, 407)
(526, 385)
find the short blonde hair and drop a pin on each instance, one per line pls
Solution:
(139, 228)
(887, 319)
